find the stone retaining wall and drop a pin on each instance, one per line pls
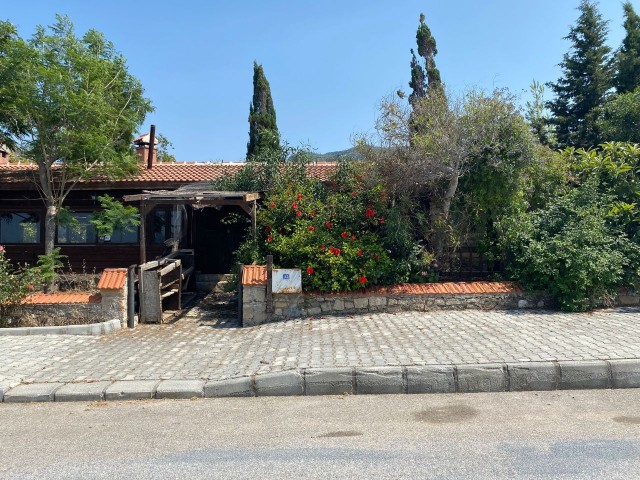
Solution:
(287, 306)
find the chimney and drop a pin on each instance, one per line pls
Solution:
(142, 144)
(4, 155)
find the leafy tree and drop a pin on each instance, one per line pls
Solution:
(627, 76)
(585, 80)
(537, 116)
(620, 120)
(425, 77)
(114, 216)
(263, 130)
(427, 148)
(71, 106)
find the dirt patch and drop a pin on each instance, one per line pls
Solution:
(448, 414)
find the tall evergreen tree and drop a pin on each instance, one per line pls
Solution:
(586, 78)
(628, 57)
(263, 131)
(425, 77)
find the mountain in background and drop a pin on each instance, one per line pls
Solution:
(350, 153)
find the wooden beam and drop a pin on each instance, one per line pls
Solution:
(254, 221)
(143, 233)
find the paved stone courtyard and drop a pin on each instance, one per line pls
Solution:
(209, 345)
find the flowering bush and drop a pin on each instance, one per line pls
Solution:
(333, 235)
(15, 285)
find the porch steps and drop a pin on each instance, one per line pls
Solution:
(213, 282)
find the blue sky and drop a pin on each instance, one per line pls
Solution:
(328, 62)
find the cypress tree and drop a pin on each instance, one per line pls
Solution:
(425, 77)
(586, 78)
(263, 131)
(628, 57)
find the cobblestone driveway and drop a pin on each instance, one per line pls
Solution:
(203, 346)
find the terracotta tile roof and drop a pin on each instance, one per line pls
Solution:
(172, 173)
(444, 288)
(113, 279)
(61, 298)
(254, 275)
(452, 288)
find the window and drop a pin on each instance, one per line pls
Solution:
(118, 236)
(20, 228)
(80, 231)
(162, 225)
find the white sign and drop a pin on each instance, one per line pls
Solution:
(286, 280)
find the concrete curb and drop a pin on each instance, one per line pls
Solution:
(467, 378)
(95, 329)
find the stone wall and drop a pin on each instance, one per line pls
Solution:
(45, 315)
(302, 305)
(309, 305)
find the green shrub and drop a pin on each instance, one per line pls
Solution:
(15, 285)
(574, 248)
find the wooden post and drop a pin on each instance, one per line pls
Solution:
(254, 224)
(240, 268)
(269, 296)
(143, 235)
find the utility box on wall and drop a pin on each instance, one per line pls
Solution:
(286, 280)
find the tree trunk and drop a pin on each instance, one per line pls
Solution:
(50, 221)
(439, 214)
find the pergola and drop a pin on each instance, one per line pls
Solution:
(195, 196)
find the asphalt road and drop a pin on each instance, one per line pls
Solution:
(588, 434)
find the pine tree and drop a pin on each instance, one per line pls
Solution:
(582, 89)
(263, 131)
(425, 77)
(628, 57)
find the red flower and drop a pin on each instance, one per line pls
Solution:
(322, 248)
(370, 213)
(354, 194)
(327, 224)
(344, 235)
(298, 214)
(353, 238)
(299, 196)
(267, 228)
(269, 238)
(30, 287)
(312, 228)
(272, 204)
(294, 206)
(1, 248)
(334, 184)
(360, 252)
(377, 257)
(359, 177)
(337, 251)
(310, 270)
(381, 220)
(362, 279)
